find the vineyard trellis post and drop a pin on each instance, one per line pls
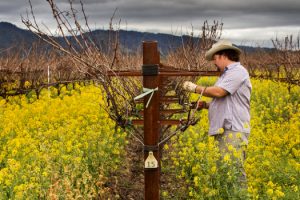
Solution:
(151, 80)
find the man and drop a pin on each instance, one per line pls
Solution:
(229, 110)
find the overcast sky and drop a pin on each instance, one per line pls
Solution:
(245, 21)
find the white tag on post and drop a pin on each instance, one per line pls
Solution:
(151, 161)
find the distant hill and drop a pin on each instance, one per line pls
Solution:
(12, 37)
(132, 40)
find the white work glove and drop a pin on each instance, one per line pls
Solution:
(189, 86)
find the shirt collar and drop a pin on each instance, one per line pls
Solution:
(230, 66)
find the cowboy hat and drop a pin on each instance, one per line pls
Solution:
(219, 46)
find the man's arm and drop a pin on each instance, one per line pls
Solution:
(213, 91)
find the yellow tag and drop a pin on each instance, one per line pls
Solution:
(151, 162)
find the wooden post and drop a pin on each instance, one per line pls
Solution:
(150, 70)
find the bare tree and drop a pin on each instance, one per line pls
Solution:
(94, 60)
(190, 55)
(282, 63)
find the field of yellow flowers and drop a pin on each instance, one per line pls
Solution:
(273, 153)
(66, 147)
(57, 147)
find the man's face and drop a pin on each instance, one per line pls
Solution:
(217, 59)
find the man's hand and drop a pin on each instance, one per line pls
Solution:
(201, 105)
(189, 86)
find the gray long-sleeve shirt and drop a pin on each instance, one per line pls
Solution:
(232, 112)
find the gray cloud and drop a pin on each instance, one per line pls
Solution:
(266, 16)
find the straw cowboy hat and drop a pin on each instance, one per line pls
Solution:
(219, 46)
